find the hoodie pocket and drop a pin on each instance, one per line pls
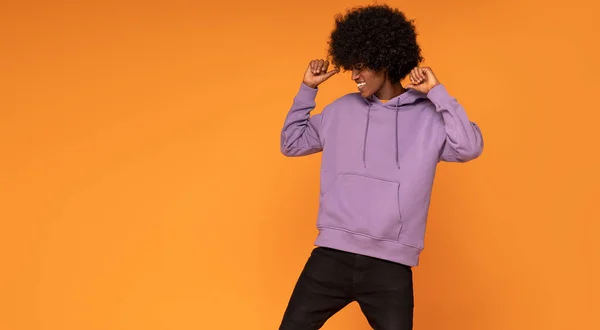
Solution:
(362, 205)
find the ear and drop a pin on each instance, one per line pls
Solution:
(386, 75)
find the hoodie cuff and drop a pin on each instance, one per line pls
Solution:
(439, 95)
(306, 94)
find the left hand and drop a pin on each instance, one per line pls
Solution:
(422, 79)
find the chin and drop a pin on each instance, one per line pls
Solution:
(366, 94)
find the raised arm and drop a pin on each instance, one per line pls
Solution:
(464, 141)
(300, 132)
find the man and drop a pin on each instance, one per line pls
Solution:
(380, 148)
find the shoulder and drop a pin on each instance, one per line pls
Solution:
(426, 110)
(345, 101)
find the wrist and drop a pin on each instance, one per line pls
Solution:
(434, 86)
(313, 86)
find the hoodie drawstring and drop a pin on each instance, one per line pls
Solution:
(396, 124)
(367, 133)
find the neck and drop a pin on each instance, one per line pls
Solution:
(389, 91)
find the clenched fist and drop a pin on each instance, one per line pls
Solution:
(316, 73)
(422, 80)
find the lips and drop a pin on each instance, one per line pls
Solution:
(361, 85)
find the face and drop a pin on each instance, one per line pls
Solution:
(369, 82)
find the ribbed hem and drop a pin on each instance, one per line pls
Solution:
(354, 243)
(307, 93)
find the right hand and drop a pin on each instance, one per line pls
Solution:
(316, 73)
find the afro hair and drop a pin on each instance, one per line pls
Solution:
(378, 37)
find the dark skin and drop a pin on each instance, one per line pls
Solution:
(371, 82)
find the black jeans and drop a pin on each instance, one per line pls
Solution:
(332, 279)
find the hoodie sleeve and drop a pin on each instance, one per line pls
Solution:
(464, 141)
(300, 133)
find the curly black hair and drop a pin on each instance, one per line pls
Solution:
(378, 37)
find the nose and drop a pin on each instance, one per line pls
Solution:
(355, 74)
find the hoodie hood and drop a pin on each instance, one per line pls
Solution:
(403, 101)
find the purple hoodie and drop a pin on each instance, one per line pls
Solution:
(378, 165)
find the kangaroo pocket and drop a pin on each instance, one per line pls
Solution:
(362, 205)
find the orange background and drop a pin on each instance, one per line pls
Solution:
(141, 184)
